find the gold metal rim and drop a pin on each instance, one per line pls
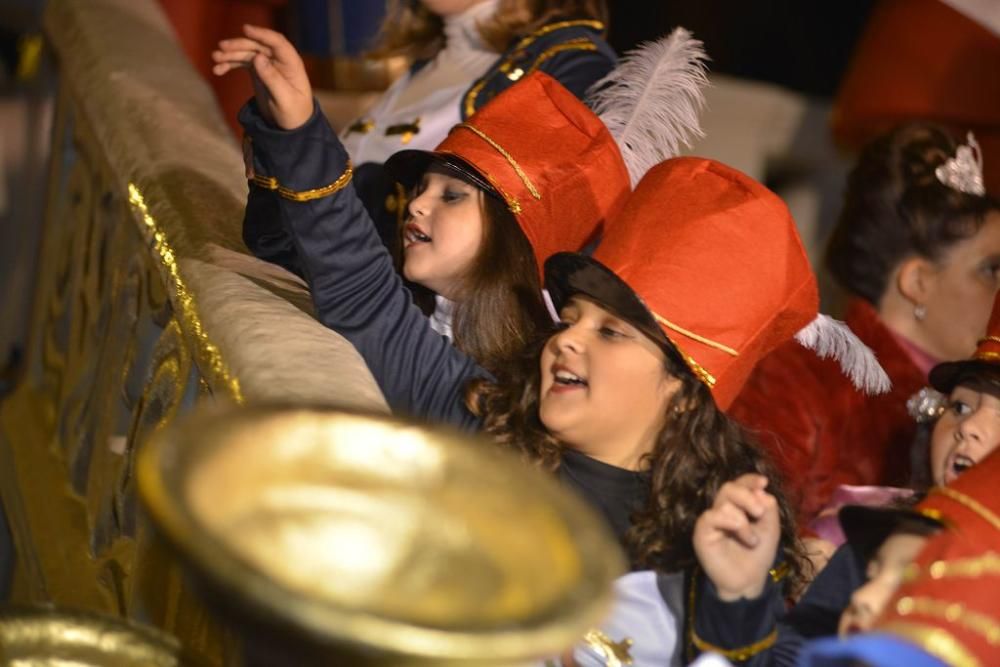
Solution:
(332, 624)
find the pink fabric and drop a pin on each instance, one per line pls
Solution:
(920, 357)
(826, 525)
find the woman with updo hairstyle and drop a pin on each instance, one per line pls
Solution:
(917, 250)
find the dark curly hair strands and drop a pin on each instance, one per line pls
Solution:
(698, 450)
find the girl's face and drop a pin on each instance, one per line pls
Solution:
(885, 574)
(961, 290)
(443, 232)
(604, 389)
(964, 434)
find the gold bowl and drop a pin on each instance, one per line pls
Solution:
(376, 533)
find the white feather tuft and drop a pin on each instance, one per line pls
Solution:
(828, 337)
(651, 101)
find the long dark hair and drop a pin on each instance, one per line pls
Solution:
(499, 309)
(698, 450)
(895, 208)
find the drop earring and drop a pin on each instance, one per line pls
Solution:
(920, 312)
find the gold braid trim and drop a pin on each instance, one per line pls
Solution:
(989, 339)
(969, 502)
(988, 356)
(693, 336)
(733, 655)
(507, 156)
(737, 654)
(271, 183)
(581, 44)
(210, 359)
(952, 612)
(558, 25)
(470, 97)
(935, 641)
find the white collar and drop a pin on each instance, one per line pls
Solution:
(461, 31)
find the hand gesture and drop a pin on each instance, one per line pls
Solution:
(280, 84)
(736, 540)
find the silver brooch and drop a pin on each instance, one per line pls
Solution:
(926, 405)
(964, 172)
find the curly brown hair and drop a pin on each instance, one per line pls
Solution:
(410, 29)
(698, 450)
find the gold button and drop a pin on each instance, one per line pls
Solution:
(516, 74)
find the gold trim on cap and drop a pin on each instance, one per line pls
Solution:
(952, 612)
(935, 641)
(973, 504)
(693, 336)
(987, 356)
(970, 568)
(989, 339)
(507, 156)
(271, 183)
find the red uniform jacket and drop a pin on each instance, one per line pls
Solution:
(819, 429)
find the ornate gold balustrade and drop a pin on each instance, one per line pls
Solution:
(146, 305)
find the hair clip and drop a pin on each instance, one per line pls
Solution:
(926, 405)
(964, 172)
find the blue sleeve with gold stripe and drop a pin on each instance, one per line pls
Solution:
(303, 178)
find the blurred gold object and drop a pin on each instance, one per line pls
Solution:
(43, 637)
(377, 537)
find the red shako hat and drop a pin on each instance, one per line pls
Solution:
(705, 260)
(561, 173)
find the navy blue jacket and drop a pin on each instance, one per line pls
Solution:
(735, 626)
(331, 242)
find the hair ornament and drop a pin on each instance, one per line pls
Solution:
(926, 405)
(964, 172)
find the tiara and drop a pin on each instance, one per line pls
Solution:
(964, 172)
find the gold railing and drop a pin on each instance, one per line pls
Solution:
(146, 304)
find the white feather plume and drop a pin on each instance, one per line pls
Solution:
(828, 337)
(651, 101)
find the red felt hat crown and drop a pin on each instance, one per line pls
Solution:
(715, 261)
(948, 603)
(945, 376)
(560, 173)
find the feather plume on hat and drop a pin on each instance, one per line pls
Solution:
(830, 338)
(651, 101)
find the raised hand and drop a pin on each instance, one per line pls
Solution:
(280, 84)
(736, 540)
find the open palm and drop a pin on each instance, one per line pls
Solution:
(280, 84)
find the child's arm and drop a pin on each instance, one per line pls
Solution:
(737, 598)
(356, 291)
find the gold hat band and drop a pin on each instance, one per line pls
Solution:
(507, 156)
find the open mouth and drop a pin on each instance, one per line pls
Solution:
(566, 378)
(413, 234)
(960, 463)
